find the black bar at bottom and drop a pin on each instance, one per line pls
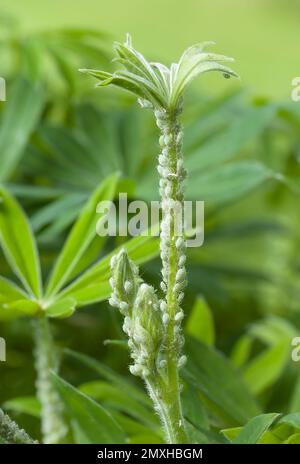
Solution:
(149, 453)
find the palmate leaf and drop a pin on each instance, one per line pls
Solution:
(14, 301)
(81, 236)
(18, 243)
(154, 84)
(93, 285)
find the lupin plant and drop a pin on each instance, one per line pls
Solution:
(152, 325)
(10, 433)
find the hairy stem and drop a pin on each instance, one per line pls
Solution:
(46, 360)
(11, 433)
(172, 247)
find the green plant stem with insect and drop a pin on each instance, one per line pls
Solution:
(153, 326)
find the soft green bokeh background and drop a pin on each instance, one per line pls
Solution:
(262, 35)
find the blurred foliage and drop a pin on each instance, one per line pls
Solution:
(58, 142)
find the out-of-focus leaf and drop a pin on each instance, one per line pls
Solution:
(292, 419)
(95, 423)
(113, 377)
(245, 128)
(255, 428)
(228, 182)
(293, 439)
(273, 330)
(18, 243)
(61, 206)
(267, 367)
(241, 351)
(214, 376)
(24, 405)
(200, 322)
(22, 111)
(114, 397)
(193, 409)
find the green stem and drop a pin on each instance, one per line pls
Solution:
(11, 433)
(46, 360)
(173, 272)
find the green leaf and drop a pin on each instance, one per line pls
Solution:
(200, 322)
(114, 397)
(193, 409)
(255, 428)
(95, 423)
(24, 405)
(292, 419)
(9, 291)
(18, 243)
(267, 367)
(228, 182)
(93, 285)
(213, 375)
(113, 377)
(244, 129)
(22, 111)
(23, 307)
(241, 350)
(293, 439)
(81, 236)
(61, 308)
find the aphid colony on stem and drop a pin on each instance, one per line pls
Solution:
(153, 325)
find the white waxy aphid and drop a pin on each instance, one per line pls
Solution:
(179, 316)
(165, 318)
(113, 261)
(123, 306)
(128, 286)
(182, 260)
(182, 361)
(162, 364)
(180, 297)
(135, 370)
(163, 286)
(114, 302)
(180, 275)
(180, 243)
(163, 306)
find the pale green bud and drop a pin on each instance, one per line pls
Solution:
(147, 328)
(124, 281)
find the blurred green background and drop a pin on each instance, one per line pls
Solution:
(60, 138)
(262, 35)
